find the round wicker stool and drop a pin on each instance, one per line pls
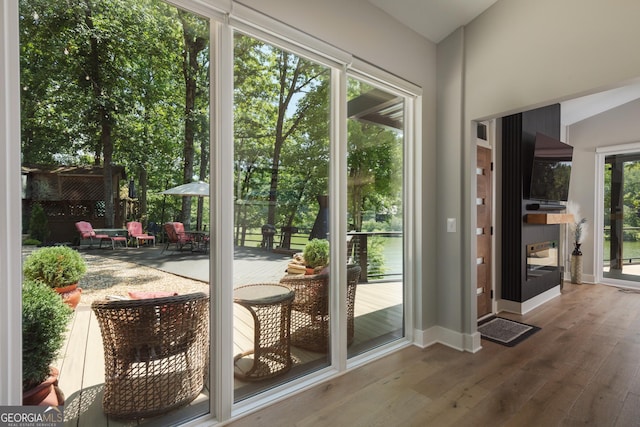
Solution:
(270, 307)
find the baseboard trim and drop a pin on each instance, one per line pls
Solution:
(438, 335)
(530, 304)
(586, 278)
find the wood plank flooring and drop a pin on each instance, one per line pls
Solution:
(582, 368)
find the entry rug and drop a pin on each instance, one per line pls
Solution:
(506, 332)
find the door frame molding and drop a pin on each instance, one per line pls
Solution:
(489, 144)
(598, 233)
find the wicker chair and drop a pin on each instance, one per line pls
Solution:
(155, 353)
(310, 308)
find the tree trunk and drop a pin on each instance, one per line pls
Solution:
(204, 166)
(142, 194)
(192, 46)
(103, 116)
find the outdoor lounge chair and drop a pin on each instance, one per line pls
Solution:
(177, 236)
(310, 308)
(86, 232)
(135, 232)
(155, 353)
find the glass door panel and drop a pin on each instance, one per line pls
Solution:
(621, 250)
(281, 145)
(114, 112)
(375, 215)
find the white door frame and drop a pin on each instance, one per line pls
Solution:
(598, 237)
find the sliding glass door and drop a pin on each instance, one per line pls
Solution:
(281, 167)
(621, 217)
(307, 162)
(375, 201)
(115, 109)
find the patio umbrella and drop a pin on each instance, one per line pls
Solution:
(198, 188)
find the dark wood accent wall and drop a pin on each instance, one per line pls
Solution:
(512, 265)
(518, 141)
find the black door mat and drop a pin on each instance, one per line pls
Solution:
(505, 331)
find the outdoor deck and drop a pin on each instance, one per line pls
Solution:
(378, 312)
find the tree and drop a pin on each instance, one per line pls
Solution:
(101, 84)
(195, 34)
(276, 94)
(374, 164)
(374, 179)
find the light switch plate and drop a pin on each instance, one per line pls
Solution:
(451, 225)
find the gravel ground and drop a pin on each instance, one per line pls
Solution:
(107, 277)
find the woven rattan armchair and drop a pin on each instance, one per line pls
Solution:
(310, 308)
(155, 353)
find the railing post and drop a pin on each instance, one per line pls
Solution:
(362, 249)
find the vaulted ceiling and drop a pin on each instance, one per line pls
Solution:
(436, 19)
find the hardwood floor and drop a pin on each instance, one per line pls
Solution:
(582, 368)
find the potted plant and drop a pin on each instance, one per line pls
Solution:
(38, 224)
(316, 255)
(60, 267)
(44, 320)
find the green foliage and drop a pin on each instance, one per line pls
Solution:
(316, 253)
(375, 257)
(281, 110)
(31, 242)
(38, 224)
(44, 320)
(57, 266)
(103, 81)
(374, 164)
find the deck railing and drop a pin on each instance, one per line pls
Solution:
(356, 248)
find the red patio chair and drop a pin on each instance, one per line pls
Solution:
(86, 232)
(135, 232)
(177, 236)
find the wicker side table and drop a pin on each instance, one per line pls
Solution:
(270, 307)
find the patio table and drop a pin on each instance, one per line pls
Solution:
(117, 234)
(200, 241)
(270, 307)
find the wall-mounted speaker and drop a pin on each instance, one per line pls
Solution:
(482, 131)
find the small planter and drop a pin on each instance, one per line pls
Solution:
(46, 393)
(70, 294)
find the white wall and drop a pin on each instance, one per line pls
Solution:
(519, 55)
(614, 127)
(448, 201)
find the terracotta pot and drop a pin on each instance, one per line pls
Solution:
(70, 294)
(46, 393)
(310, 271)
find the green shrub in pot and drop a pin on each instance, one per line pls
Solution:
(44, 322)
(316, 253)
(57, 266)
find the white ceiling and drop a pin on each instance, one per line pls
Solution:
(436, 19)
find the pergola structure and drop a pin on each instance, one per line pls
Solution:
(69, 194)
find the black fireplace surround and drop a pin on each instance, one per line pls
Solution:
(518, 282)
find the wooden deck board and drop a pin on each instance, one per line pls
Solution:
(82, 361)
